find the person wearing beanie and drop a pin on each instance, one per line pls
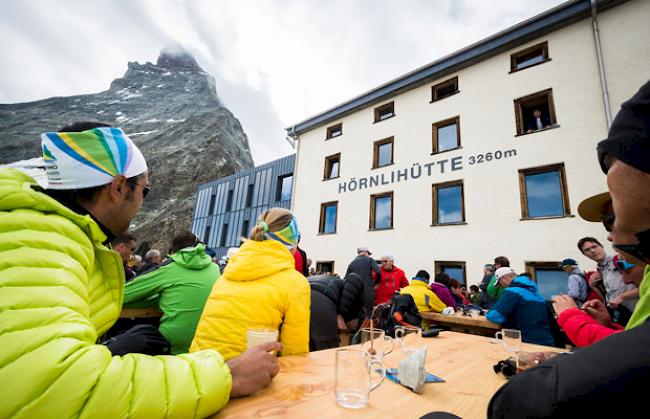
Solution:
(425, 299)
(63, 288)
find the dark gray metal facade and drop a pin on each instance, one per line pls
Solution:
(226, 209)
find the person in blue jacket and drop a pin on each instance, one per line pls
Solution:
(521, 307)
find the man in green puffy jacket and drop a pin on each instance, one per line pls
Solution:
(179, 287)
(62, 288)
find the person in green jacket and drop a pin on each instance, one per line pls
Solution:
(493, 289)
(179, 287)
(62, 288)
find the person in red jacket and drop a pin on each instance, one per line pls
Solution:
(593, 322)
(392, 280)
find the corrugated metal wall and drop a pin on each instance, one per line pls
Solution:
(266, 180)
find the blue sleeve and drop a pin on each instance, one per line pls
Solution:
(504, 308)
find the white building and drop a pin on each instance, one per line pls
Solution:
(445, 167)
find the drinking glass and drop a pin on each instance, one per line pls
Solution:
(256, 337)
(409, 338)
(374, 342)
(353, 382)
(511, 339)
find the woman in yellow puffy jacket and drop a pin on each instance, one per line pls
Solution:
(259, 288)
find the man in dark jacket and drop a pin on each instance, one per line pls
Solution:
(325, 297)
(359, 294)
(521, 307)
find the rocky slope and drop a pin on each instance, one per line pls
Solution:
(171, 111)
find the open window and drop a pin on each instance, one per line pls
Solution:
(529, 57)
(444, 89)
(334, 131)
(332, 166)
(323, 266)
(535, 112)
(384, 112)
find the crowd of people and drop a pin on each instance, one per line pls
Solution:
(68, 269)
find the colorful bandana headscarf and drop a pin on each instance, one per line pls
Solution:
(288, 236)
(78, 160)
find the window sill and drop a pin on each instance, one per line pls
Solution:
(443, 98)
(462, 223)
(326, 234)
(331, 138)
(554, 217)
(446, 151)
(380, 229)
(554, 126)
(530, 66)
(381, 167)
(385, 119)
(330, 178)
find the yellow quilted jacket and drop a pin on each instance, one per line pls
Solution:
(425, 299)
(259, 288)
(60, 289)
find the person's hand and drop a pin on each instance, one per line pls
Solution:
(563, 302)
(597, 310)
(341, 323)
(595, 278)
(616, 301)
(254, 369)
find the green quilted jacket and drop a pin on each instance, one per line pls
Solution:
(60, 289)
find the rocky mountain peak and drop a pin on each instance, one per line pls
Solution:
(177, 59)
(172, 112)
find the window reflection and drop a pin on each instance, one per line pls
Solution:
(544, 194)
(383, 212)
(450, 205)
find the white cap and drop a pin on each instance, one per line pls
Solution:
(363, 249)
(501, 272)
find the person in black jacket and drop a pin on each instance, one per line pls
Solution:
(359, 288)
(325, 297)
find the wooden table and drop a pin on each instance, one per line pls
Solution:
(464, 324)
(140, 313)
(304, 388)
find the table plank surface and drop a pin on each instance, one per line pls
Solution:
(305, 385)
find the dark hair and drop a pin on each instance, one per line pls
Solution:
(474, 288)
(442, 278)
(124, 238)
(453, 283)
(80, 126)
(184, 239)
(584, 240)
(490, 267)
(502, 261)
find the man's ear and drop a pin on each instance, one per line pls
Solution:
(118, 189)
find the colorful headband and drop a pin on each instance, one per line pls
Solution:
(78, 160)
(288, 236)
(264, 226)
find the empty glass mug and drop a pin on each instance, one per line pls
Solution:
(409, 338)
(374, 342)
(511, 339)
(353, 377)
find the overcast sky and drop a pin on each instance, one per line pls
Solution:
(276, 62)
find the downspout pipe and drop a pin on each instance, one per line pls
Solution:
(296, 146)
(601, 64)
